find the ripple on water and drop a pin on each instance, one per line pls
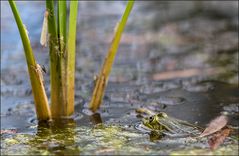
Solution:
(200, 87)
(139, 126)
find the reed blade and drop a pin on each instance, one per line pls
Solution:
(57, 96)
(71, 52)
(35, 71)
(103, 77)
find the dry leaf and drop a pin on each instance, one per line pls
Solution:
(218, 138)
(185, 73)
(215, 125)
(8, 131)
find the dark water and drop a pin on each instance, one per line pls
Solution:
(180, 61)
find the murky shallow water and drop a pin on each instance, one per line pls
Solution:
(183, 65)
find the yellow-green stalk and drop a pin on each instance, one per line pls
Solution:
(34, 69)
(62, 11)
(62, 54)
(103, 77)
(71, 50)
(57, 96)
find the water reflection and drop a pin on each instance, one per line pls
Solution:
(57, 137)
(153, 136)
(96, 118)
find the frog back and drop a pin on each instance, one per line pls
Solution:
(177, 127)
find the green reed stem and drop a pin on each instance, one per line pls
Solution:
(71, 50)
(102, 80)
(57, 96)
(36, 78)
(62, 25)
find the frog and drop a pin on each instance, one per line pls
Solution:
(161, 123)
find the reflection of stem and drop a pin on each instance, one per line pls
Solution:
(154, 135)
(57, 137)
(96, 118)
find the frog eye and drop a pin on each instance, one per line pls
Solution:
(151, 119)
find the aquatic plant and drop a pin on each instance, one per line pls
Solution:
(102, 79)
(62, 47)
(34, 69)
(62, 57)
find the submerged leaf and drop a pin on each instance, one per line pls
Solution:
(215, 125)
(218, 138)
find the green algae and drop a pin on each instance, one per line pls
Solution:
(101, 139)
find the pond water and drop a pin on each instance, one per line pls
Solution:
(180, 58)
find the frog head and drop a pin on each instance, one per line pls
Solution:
(153, 122)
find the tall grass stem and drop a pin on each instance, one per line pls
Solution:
(71, 50)
(57, 96)
(34, 69)
(103, 77)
